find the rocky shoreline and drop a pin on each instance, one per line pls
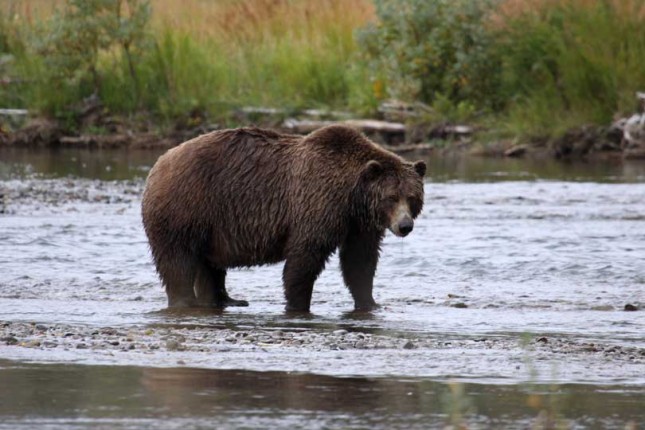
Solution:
(398, 130)
(207, 340)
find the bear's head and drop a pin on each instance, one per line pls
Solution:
(393, 193)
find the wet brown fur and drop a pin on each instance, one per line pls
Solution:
(247, 197)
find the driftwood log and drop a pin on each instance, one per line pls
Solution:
(14, 112)
(633, 130)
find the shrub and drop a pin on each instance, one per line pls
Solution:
(74, 39)
(436, 51)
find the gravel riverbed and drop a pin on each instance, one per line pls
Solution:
(146, 339)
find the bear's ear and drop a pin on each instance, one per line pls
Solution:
(372, 170)
(420, 168)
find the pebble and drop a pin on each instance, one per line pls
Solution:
(172, 345)
(31, 344)
(340, 332)
(630, 308)
(10, 340)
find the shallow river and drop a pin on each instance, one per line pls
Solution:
(505, 308)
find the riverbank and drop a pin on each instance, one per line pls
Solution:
(99, 131)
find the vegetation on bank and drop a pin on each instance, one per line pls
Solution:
(527, 68)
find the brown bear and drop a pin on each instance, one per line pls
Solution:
(248, 197)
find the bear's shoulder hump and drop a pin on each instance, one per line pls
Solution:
(338, 138)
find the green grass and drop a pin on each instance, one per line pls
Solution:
(572, 64)
(269, 53)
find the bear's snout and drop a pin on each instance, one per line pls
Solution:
(401, 222)
(405, 227)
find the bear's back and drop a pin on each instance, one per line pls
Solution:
(343, 143)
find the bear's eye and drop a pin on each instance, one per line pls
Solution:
(391, 199)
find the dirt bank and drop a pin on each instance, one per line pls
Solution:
(99, 131)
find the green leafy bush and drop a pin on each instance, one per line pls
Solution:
(542, 69)
(435, 51)
(76, 37)
(67, 57)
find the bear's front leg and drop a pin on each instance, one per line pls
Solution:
(358, 259)
(300, 273)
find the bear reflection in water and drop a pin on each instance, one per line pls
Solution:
(248, 197)
(218, 393)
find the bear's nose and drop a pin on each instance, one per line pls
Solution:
(405, 227)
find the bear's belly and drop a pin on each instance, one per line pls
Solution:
(246, 253)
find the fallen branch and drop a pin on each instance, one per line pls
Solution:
(365, 125)
(14, 112)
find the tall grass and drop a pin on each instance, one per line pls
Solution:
(268, 52)
(214, 56)
(572, 62)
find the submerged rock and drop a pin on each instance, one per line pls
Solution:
(459, 305)
(409, 345)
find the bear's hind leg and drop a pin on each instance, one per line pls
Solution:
(179, 286)
(210, 288)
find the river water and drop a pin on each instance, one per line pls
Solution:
(504, 308)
